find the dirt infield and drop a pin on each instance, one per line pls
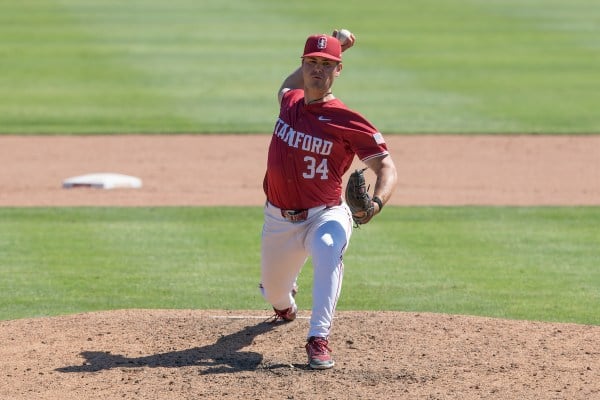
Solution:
(228, 169)
(199, 354)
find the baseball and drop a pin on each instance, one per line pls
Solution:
(343, 35)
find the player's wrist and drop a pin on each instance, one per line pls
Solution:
(379, 202)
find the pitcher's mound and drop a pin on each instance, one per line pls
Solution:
(183, 354)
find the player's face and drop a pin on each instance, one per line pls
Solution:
(319, 73)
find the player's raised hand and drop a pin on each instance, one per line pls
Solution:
(346, 38)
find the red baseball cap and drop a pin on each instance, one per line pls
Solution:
(323, 46)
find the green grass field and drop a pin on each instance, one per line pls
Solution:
(213, 66)
(83, 66)
(524, 263)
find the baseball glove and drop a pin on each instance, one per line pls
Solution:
(358, 198)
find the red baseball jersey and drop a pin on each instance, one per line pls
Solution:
(312, 147)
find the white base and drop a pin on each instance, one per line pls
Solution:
(103, 181)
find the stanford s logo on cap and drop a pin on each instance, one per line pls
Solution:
(322, 42)
(322, 45)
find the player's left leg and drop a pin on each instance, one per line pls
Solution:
(328, 241)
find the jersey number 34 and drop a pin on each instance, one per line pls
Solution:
(312, 169)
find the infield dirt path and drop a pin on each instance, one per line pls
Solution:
(228, 169)
(208, 354)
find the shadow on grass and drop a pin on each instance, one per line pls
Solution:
(224, 356)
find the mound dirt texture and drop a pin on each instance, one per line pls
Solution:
(206, 354)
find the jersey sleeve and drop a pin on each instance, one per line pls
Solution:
(364, 139)
(291, 97)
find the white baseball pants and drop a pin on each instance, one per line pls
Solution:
(286, 246)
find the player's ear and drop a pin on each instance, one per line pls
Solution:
(338, 69)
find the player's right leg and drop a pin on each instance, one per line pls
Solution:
(282, 258)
